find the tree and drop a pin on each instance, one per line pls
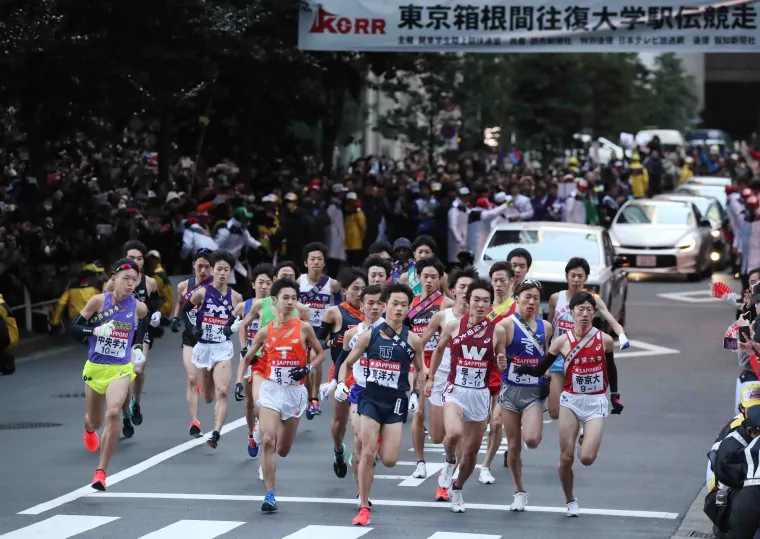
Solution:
(672, 102)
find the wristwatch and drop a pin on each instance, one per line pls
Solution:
(428, 377)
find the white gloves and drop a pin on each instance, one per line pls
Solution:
(236, 325)
(623, 341)
(326, 389)
(413, 403)
(155, 319)
(341, 392)
(105, 330)
(137, 356)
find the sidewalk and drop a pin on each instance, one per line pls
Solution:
(695, 523)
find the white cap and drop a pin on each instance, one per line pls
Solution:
(351, 196)
(154, 254)
(292, 197)
(464, 191)
(171, 195)
(500, 197)
(269, 198)
(435, 186)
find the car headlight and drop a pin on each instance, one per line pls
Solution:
(687, 243)
(715, 233)
(592, 289)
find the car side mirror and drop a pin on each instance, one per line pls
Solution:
(617, 262)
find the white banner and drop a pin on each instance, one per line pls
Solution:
(506, 26)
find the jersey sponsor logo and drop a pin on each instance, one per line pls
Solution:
(129, 315)
(528, 344)
(598, 347)
(295, 341)
(216, 309)
(386, 352)
(472, 352)
(487, 340)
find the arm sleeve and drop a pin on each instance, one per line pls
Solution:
(542, 367)
(79, 328)
(339, 362)
(612, 374)
(324, 331)
(154, 303)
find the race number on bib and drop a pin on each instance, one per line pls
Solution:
(432, 343)
(384, 373)
(115, 345)
(521, 379)
(471, 373)
(316, 312)
(281, 369)
(213, 328)
(588, 383)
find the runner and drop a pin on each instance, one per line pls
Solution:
(522, 397)
(262, 276)
(503, 281)
(383, 405)
(425, 305)
(316, 291)
(282, 395)
(350, 390)
(212, 355)
(336, 322)
(201, 277)
(145, 292)
(378, 270)
(460, 279)
(576, 272)
(109, 321)
(475, 343)
(520, 260)
(589, 370)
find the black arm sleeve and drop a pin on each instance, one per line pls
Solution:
(324, 331)
(339, 362)
(542, 367)
(154, 303)
(79, 329)
(611, 371)
(140, 330)
(188, 306)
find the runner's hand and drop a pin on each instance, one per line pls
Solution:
(236, 325)
(197, 333)
(523, 369)
(138, 356)
(155, 319)
(501, 362)
(428, 388)
(623, 341)
(175, 324)
(299, 373)
(413, 403)
(341, 392)
(617, 406)
(326, 389)
(105, 330)
(238, 392)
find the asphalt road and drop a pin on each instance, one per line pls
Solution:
(676, 382)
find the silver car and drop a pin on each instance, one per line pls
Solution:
(662, 236)
(551, 245)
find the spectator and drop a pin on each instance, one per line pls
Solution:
(457, 218)
(336, 237)
(356, 230)
(8, 338)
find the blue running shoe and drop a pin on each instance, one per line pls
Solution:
(253, 448)
(310, 410)
(316, 410)
(269, 505)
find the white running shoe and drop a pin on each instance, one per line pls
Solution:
(485, 477)
(457, 500)
(446, 477)
(520, 501)
(421, 471)
(261, 473)
(257, 433)
(572, 509)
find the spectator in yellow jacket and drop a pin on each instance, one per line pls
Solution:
(154, 269)
(687, 170)
(8, 338)
(88, 283)
(639, 178)
(355, 226)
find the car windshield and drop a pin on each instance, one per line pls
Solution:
(553, 245)
(656, 214)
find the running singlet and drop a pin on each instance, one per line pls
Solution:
(360, 369)
(473, 358)
(495, 380)
(251, 330)
(445, 366)
(350, 318)
(563, 317)
(388, 363)
(586, 372)
(213, 315)
(507, 314)
(284, 351)
(116, 349)
(315, 297)
(421, 321)
(141, 290)
(523, 348)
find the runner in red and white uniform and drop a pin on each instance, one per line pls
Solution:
(589, 370)
(475, 343)
(429, 272)
(460, 280)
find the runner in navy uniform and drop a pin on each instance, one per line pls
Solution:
(383, 405)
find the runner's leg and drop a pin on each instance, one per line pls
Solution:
(286, 435)
(532, 426)
(472, 436)
(248, 407)
(117, 392)
(592, 440)
(369, 431)
(269, 425)
(339, 423)
(356, 421)
(95, 409)
(437, 430)
(418, 431)
(512, 422)
(222, 376)
(191, 392)
(555, 390)
(494, 435)
(390, 449)
(568, 432)
(453, 420)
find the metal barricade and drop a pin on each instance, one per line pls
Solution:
(29, 307)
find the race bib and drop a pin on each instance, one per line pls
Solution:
(471, 373)
(361, 371)
(251, 333)
(213, 328)
(115, 345)
(384, 373)
(521, 379)
(316, 312)
(588, 383)
(563, 326)
(281, 369)
(432, 343)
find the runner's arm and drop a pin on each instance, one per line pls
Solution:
(347, 336)
(303, 312)
(141, 310)
(419, 364)
(548, 329)
(359, 348)
(549, 357)
(181, 290)
(609, 355)
(552, 307)
(196, 299)
(443, 342)
(500, 346)
(605, 312)
(247, 321)
(316, 346)
(432, 327)
(79, 328)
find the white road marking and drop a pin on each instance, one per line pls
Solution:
(695, 296)
(453, 535)
(59, 527)
(129, 472)
(432, 469)
(392, 503)
(648, 350)
(396, 477)
(197, 529)
(55, 351)
(329, 532)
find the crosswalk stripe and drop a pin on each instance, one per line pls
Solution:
(197, 529)
(457, 535)
(59, 527)
(329, 532)
(432, 468)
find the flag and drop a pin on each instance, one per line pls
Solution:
(719, 290)
(731, 338)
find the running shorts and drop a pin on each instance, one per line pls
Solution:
(428, 357)
(439, 385)
(494, 381)
(475, 403)
(289, 400)
(585, 407)
(519, 399)
(558, 367)
(99, 376)
(188, 339)
(385, 409)
(207, 355)
(353, 395)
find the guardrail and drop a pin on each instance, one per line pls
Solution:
(29, 308)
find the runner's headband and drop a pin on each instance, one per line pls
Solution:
(126, 266)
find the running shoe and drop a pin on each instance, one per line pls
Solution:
(421, 471)
(99, 481)
(520, 501)
(257, 433)
(137, 417)
(269, 505)
(339, 462)
(91, 440)
(362, 519)
(446, 477)
(441, 495)
(359, 501)
(214, 440)
(127, 428)
(313, 408)
(195, 429)
(457, 500)
(486, 477)
(572, 509)
(310, 410)
(253, 448)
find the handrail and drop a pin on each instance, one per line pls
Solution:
(28, 306)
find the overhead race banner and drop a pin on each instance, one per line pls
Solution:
(505, 26)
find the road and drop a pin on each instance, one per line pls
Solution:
(676, 382)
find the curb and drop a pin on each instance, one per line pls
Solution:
(695, 523)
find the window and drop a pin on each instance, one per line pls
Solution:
(545, 245)
(656, 214)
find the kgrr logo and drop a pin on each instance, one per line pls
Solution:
(329, 23)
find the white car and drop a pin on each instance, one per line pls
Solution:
(662, 236)
(551, 245)
(708, 180)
